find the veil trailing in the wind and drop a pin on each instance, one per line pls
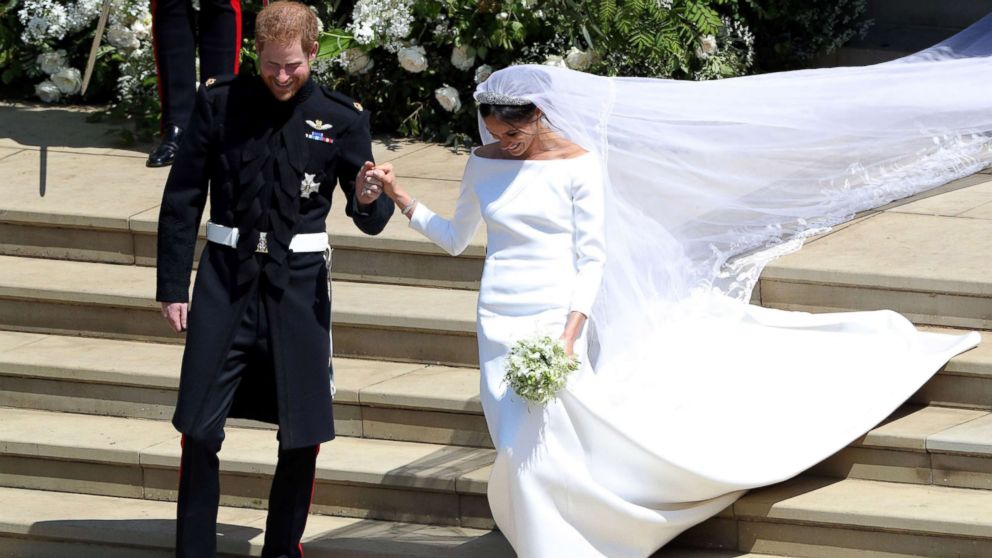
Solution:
(708, 181)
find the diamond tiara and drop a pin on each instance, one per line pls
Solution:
(490, 98)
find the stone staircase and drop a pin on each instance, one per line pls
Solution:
(89, 371)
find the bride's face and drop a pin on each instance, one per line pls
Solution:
(516, 139)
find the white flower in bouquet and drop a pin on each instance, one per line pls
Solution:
(51, 61)
(580, 60)
(707, 46)
(556, 61)
(122, 37)
(463, 57)
(448, 97)
(47, 92)
(483, 72)
(141, 30)
(356, 61)
(68, 80)
(413, 59)
(538, 368)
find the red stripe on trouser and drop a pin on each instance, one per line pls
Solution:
(182, 446)
(158, 70)
(236, 6)
(313, 488)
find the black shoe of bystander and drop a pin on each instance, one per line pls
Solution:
(165, 153)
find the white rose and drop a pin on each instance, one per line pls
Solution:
(483, 72)
(413, 59)
(320, 24)
(140, 30)
(556, 61)
(47, 92)
(356, 61)
(52, 61)
(122, 38)
(579, 59)
(707, 46)
(68, 81)
(448, 97)
(463, 57)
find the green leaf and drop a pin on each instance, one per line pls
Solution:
(333, 43)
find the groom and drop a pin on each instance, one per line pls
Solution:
(268, 150)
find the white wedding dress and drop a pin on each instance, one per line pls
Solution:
(688, 396)
(626, 459)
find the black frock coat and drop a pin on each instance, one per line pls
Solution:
(252, 154)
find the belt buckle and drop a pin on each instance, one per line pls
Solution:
(263, 243)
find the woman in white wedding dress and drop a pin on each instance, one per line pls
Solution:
(650, 207)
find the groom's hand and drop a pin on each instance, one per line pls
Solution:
(175, 314)
(368, 187)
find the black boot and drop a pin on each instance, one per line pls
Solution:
(165, 153)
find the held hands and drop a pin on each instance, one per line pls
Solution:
(384, 176)
(175, 314)
(371, 181)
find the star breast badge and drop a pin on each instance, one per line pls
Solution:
(308, 187)
(319, 125)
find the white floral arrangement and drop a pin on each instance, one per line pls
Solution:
(538, 368)
(48, 25)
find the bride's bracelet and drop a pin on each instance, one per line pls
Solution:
(409, 208)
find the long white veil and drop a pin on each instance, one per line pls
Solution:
(708, 181)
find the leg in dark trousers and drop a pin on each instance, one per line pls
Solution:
(174, 42)
(175, 39)
(220, 37)
(199, 473)
(289, 502)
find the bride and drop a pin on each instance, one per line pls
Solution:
(631, 217)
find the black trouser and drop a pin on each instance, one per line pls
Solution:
(175, 33)
(199, 483)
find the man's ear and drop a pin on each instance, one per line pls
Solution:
(314, 50)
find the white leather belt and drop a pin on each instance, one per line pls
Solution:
(309, 242)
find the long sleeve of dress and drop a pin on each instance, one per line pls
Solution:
(453, 236)
(590, 246)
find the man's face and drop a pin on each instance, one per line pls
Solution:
(285, 67)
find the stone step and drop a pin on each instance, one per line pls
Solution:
(96, 299)
(135, 458)
(375, 399)
(139, 458)
(109, 213)
(901, 258)
(932, 445)
(43, 524)
(824, 518)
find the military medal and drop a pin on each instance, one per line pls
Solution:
(308, 187)
(317, 136)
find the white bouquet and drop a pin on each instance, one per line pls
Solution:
(538, 368)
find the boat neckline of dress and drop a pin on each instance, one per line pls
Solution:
(477, 156)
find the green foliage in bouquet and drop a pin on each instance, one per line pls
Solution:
(537, 369)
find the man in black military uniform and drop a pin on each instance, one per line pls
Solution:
(177, 31)
(270, 148)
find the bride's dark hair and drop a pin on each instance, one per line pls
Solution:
(511, 114)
